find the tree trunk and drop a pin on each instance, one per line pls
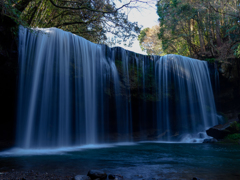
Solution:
(209, 31)
(200, 33)
(219, 40)
(190, 39)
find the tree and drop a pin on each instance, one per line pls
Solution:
(199, 28)
(91, 19)
(149, 42)
(142, 35)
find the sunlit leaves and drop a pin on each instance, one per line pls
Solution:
(149, 41)
(199, 28)
(91, 19)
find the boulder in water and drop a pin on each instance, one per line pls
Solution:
(221, 131)
(211, 140)
(115, 176)
(94, 174)
(82, 177)
(195, 178)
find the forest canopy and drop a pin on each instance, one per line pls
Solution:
(197, 28)
(91, 19)
(203, 29)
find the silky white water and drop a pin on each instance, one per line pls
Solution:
(73, 92)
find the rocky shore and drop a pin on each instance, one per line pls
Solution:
(30, 175)
(92, 175)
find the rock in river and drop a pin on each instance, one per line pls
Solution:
(211, 140)
(94, 174)
(115, 176)
(195, 178)
(221, 131)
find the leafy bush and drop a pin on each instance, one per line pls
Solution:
(210, 60)
(237, 51)
(235, 136)
(235, 126)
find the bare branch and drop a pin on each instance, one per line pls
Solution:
(90, 9)
(216, 10)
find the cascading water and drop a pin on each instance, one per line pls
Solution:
(74, 92)
(185, 93)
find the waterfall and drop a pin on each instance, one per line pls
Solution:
(73, 92)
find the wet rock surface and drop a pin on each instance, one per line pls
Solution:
(115, 176)
(8, 80)
(94, 174)
(211, 140)
(221, 131)
(195, 178)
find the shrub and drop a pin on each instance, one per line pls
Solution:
(235, 136)
(210, 60)
(235, 126)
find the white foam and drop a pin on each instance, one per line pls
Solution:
(164, 142)
(188, 138)
(198, 138)
(63, 150)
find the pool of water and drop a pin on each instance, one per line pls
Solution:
(133, 161)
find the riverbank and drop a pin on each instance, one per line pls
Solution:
(30, 175)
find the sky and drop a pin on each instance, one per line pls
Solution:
(147, 17)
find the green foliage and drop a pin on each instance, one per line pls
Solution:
(237, 51)
(171, 15)
(235, 136)
(142, 35)
(91, 19)
(149, 42)
(199, 28)
(210, 60)
(235, 126)
(232, 29)
(8, 9)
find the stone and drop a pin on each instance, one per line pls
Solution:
(115, 176)
(94, 174)
(195, 178)
(211, 140)
(82, 177)
(221, 131)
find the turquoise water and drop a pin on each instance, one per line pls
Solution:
(134, 161)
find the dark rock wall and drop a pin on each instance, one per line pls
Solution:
(8, 80)
(228, 98)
